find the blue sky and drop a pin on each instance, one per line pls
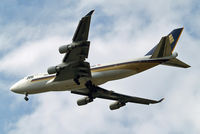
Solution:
(32, 31)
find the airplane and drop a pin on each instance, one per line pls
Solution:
(75, 74)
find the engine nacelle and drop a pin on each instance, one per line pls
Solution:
(84, 101)
(65, 48)
(116, 105)
(53, 69)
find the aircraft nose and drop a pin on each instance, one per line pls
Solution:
(18, 87)
(14, 88)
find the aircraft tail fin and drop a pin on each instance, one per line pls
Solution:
(164, 49)
(166, 44)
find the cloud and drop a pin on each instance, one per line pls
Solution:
(31, 55)
(134, 27)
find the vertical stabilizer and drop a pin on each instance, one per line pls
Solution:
(164, 50)
(173, 38)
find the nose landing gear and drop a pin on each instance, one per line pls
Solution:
(26, 97)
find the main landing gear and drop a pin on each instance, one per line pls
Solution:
(76, 80)
(26, 97)
(92, 90)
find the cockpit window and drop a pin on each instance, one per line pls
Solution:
(30, 77)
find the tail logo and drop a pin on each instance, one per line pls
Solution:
(171, 39)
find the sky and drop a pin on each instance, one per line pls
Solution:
(32, 31)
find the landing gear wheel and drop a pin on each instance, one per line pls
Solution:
(92, 89)
(26, 97)
(91, 99)
(76, 80)
(90, 86)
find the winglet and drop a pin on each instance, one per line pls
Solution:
(90, 13)
(154, 102)
(160, 100)
(82, 31)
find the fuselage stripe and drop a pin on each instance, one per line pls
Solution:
(125, 63)
(43, 78)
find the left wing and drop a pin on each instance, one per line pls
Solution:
(74, 65)
(120, 99)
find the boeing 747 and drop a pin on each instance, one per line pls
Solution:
(76, 75)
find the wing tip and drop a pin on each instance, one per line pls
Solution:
(155, 102)
(160, 100)
(90, 13)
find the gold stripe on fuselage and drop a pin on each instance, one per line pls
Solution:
(138, 66)
(43, 78)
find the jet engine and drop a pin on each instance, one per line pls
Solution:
(66, 48)
(116, 105)
(53, 69)
(69, 47)
(84, 101)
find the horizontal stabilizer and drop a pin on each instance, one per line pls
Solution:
(176, 63)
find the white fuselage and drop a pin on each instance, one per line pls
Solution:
(100, 74)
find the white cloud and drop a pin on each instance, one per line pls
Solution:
(30, 56)
(129, 37)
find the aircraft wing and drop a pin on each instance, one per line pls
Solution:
(82, 30)
(111, 95)
(80, 36)
(74, 65)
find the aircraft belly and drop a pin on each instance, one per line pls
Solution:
(101, 77)
(65, 85)
(97, 78)
(104, 74)
(37, 87)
